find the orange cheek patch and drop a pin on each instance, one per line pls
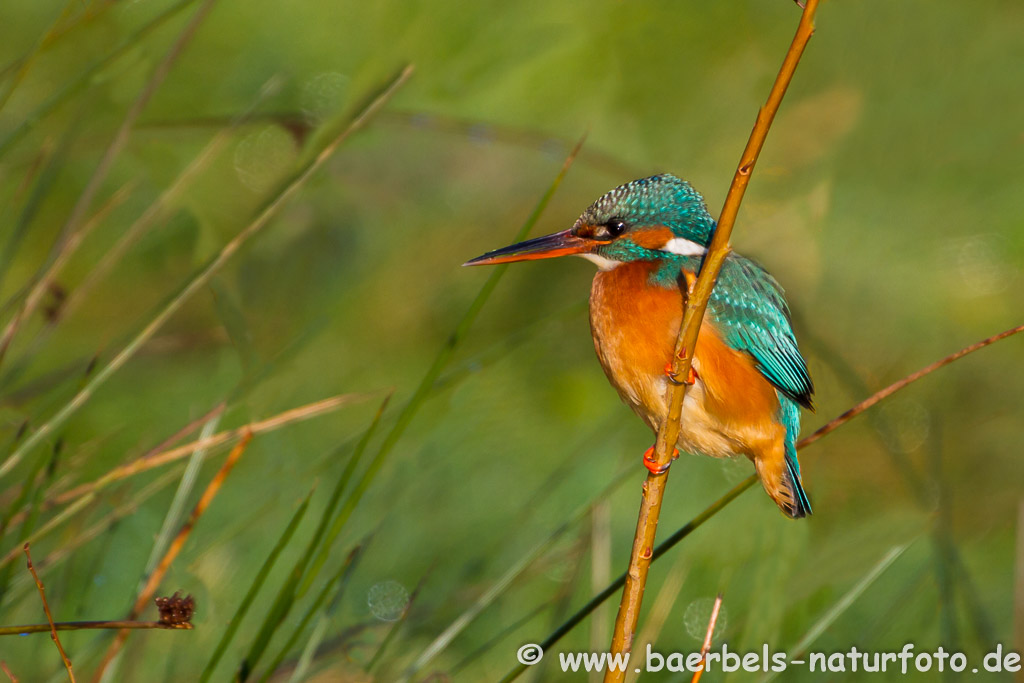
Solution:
(654, 238)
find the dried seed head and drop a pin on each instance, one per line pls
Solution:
(176, 610)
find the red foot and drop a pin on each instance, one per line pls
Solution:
(652, 465)
(691, 376)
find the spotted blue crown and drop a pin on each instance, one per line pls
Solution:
(658, 200)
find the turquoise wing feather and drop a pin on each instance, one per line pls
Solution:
(747, 306)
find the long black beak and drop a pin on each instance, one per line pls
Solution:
(550, 246)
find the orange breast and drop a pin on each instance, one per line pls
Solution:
(730, 410)
(634, 327)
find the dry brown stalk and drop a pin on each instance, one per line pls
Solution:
(706, 647)
(91, 625)
(53, 500)
(83, 493)
(49, 617)
(696, 303)
(7, 670)
(192, 426)
(896, 386)
(159, 458)
(882, 394)
(147, 592)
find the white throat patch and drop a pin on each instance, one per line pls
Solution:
(683, 247)
(601, 262)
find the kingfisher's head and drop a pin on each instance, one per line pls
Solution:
(644, 220)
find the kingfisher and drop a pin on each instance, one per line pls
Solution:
(748, 379)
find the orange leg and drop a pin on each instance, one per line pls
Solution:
(652, 465)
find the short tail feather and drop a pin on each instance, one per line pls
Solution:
(801, 505)
(794, 502)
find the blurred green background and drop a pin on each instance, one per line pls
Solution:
(888, 202)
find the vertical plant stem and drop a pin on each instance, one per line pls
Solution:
(664, 602)
(697, 301)
(29, 497)
(49, 617)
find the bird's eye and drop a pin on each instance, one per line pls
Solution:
(616, 227)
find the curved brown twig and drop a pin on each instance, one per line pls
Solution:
(49, 617)
(853, 412)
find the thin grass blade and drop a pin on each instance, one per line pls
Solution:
(73, 228)
(842, 605)
(274, 204)
(497, 638)
(29, 490)
(255, 586)
(289, 591)
(21, 66)
(498, 587)
(23, 583)
(54, 163)
(84, 78)
(336, 585)
(612, 588)
(439, 363)
(172, 520)
(393, 631)
(162, 205)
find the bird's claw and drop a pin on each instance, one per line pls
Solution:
(691, 376)
(652, 465)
